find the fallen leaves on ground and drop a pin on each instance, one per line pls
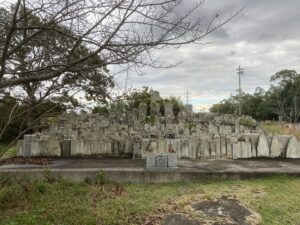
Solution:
(35, 161)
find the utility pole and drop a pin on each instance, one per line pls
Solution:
(240, 72)
(187, 97)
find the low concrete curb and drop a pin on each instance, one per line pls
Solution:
(137, 175)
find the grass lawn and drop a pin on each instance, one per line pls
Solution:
(276, 199)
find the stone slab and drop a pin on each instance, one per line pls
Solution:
(161, 161)
(245, 150)
(66, 148)
(172, 160)
(275, 149)
(150, 160)
(263, 149)
(236, 151)
(293, 149)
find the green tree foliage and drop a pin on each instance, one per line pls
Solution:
(134, 98)
(30, 100)
(226, 106)
(286, 91)
(38, 55)
(282, 99)
(13, 117)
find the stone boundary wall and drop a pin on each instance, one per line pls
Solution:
(135, 134)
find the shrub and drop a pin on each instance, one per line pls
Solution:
(87, 180)
(100, 178)
(248, 122)
(5, 181)
(150, 120)
(48, 175)
(6, 195)
(41, 187)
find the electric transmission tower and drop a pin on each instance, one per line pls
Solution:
(240, 72)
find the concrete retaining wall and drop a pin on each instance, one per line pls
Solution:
(137, 176)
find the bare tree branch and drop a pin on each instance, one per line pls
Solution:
(121, 32)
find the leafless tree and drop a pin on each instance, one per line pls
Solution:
(118, 31)
(74, 39)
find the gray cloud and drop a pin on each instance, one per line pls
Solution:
(263, 38)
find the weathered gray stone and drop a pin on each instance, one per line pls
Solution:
(228, 148)
(263, 149)
(142, 111)
(237, 128)
(182, 116)
(269, 139)
(213, 129)
(152, 146)
(103, 122)
(172, 160)
(139, 147)
(177, 146)
(283, 141)
(225, 130)
(223, 148)
(169, 115)
(66, 148)
(179, 219)
(212, 146)
(184, 149)
(34, 148)
(245, 150)
(199, 148)
(122, 133)
(275, 149)
(236, 151)
(218, 148)
(154, 97)
(95, 148)
(157, 121)
(188, 107)
(29, 137)
(193, 148)
(293, 149)
(205, 148)
(254, 142)
(163, 146)
(162, 161)
(20, 149)
(150, 160)
(26, 151)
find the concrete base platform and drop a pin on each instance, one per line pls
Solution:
(133, 170)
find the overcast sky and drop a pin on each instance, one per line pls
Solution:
(264, 39)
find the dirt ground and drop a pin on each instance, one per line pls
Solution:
(222, 211)
(33, 161)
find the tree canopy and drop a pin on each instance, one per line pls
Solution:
(36, 56)
(132, 100)
(281, 100)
